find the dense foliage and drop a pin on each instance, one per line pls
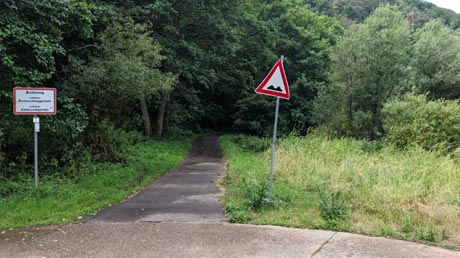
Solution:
(169, 68)
(416, 121)
(417, 11)
(368, 67)
(380, 61)
(436, 60)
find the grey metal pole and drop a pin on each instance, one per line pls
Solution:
(35, 152)
(272, 167)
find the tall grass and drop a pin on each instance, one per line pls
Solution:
(58, 200)
(411, 194)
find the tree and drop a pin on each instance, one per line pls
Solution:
(28, 46)
(290, 28)
(31, 44)
(125, 69)
(436, 61)
(369, 66)
(418, 12)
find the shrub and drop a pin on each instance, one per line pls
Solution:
(109, 144)
(252, 143)
(332, 204)
(256, 194)
(414, 120)
(235, 213)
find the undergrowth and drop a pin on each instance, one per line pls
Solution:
(60, 200)
(349, 185)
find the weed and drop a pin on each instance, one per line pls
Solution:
(332, 204)
(406, 225)
(252, 143)
(238, 217)
(60, 200)
(429, 235)
(235, 213)
(372, 146)
(256, 194)
(406, 188)
(388, 231)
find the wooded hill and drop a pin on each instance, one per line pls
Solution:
(417, 11)
(169, 68)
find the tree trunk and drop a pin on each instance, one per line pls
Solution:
(161, 114)
(349, 106)
(145, 116)
(350, 113)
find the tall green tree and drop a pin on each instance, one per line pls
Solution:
(32, 34)
(418, 12)
(199, 44)
(124, 71)
(369, 68)
(222, 49)
(290, 28)
(436, 61)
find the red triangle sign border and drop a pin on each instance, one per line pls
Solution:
(260, 89)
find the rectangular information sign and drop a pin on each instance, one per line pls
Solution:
(34, 101)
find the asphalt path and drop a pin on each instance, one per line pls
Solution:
(179, 215)
(187, 193)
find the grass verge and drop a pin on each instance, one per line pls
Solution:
(60, 200)
(348, 185)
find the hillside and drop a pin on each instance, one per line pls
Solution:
(417, 11)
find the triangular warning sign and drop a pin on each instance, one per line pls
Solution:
(275, 84)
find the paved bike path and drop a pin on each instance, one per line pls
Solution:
(187, 193)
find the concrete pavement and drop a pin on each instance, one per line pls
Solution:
(202, 239)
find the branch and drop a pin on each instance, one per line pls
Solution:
(247, 35)
(83, 47)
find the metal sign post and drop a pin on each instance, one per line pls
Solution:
(272, 167)
(34, 101)
(275, 84)
(36, 121)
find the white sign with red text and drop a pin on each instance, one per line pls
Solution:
(34, 101)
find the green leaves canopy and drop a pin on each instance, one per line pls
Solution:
(436, 62)
(125, 68)
(369, 66)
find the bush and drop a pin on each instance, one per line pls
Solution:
(252, 143)
(414, 120)
(20, 183)
(332, 205)
(256, 194)
(235, 213)
(109, 144)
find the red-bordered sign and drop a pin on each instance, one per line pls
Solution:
(34, 101)
(275, 84)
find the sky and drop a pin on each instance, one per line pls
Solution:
(453, 5)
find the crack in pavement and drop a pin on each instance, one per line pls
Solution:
(323, 245)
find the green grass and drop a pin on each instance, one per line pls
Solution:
(61, 201)
(348, 185)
